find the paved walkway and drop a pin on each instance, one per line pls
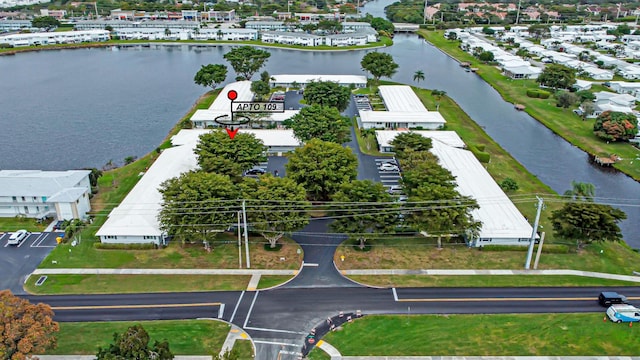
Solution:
(234, 335)
(98, 271)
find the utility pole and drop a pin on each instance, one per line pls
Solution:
(95, 5)
(532, 242)
(246, 234)
(239, 243)
(518, 13)
(424, 13)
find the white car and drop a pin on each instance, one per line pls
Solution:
(17, 237)
(389, 167)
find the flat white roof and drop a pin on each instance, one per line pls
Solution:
(450, 138)
(400, 98)
(222, 102)
(210, 115)
(138, 212)
(37, 182)
(305, 79)
(401, 116)
(499, 216)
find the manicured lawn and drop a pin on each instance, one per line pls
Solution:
(12, 224)
(186, 337)
(268, 281)
(244, 349)
(561, 121)
(484, 281)
(101, 284)
(421, 253)
(486, 335)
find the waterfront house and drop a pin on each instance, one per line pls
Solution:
(63, 195)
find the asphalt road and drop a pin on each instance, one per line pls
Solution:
(18, 261)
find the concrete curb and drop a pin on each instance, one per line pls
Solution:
(330, 350)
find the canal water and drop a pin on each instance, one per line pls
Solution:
(81, 108)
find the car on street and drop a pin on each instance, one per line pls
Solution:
(389, 167)
(619, 313)
(256, 171)
(608, 298)
(17, 237)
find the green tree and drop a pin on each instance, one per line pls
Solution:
(134, 344)
(523, 53)
(488, 31)
(211, 75)
(426, 172)
(217, 152)
(539, 31)
(587, 109)
(197, 205)
(565, 99)
(557, 76)
(260, 88)
(320, 122)
(25, 329)
(615, 126)
(367, 210)
(379, 65)
(246, 60)
(585, 95)
(486, 56)
(410, 140)
(277, 206)
(452, 36)
(321, 167)
(508, 184)
(45, 22)
(327, 93)
(418, 76)
(379, 23)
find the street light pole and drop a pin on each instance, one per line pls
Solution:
(532, 242)
(246, 234)
(239, 244)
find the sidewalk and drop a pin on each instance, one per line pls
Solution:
(102, 271)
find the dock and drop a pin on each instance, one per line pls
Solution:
(519, 107)
(606, 161)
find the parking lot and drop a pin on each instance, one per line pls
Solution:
(18, 261)
(273, 164)
(390, 175)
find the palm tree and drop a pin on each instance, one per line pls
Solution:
(418, 76)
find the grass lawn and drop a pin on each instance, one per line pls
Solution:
(421, 253)
(561, 121)
(102, 284)
(484, 281)
(244, 349)
(11, 224)
(186, 337)
(268, 281)
(486, 335)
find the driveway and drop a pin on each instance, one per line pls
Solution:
(17, 262)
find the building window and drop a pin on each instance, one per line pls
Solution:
(113, 237)
(148, 237)
(26, 209)
(23, 199)
(35, 198)
(14, 198)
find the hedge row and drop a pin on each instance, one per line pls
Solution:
(110, 246)
(547, 248)
(539, 94)
(483, 157)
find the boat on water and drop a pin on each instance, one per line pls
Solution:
(519, 107)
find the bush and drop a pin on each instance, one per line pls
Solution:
(538, 94)
(5, 46)
(483, 157)
(546, 248)
(543, 94)
(110, 246)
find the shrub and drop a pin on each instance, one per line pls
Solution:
(483, 157)
(546, 248)
(543, 94)
(509, 184)
(5, 46)
(537, 93)
(109, 246)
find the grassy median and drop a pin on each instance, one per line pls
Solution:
(485, 335)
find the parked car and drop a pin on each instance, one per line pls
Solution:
(623, 313)
(608, 298)
(395, 189)
(59, 225)
(389, 167)
(256, 171)
(17, 237)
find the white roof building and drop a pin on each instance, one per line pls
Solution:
(302, 80)
(135, 220)
(400, 98)
(401, 120)
(385, 137)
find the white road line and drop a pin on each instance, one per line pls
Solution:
(275, 330)
(250, 309)
(391, 175)
(392, 181)
(237, 305)
(221, 311)
(24, 241)
(309, 264)
(395, 294)
(41, 238)
(274, 343)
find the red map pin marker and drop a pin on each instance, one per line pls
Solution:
(232, 95)
(232, 133)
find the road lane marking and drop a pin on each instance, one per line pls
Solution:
(39, 240)
(395, 294)
(237, 305)
(507, 299)
(274, 330)
(142, 306)
(274, 343)
(250, 309)
(221, 311)
(310, 264)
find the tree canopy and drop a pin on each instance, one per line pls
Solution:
(45, 22)
(277, 206)
(327, 93)
(321, 167)
(262, 87)
(217, 152)
(134, 344)
(246, 60)
(410, 140)
(557, 76)
(367, 210)
(379, 23)
(320, 122)
(211, 75)
(615, 126)
(379, 65)
(197, 205)
(25, 328)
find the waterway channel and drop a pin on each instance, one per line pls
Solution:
(81, 108)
